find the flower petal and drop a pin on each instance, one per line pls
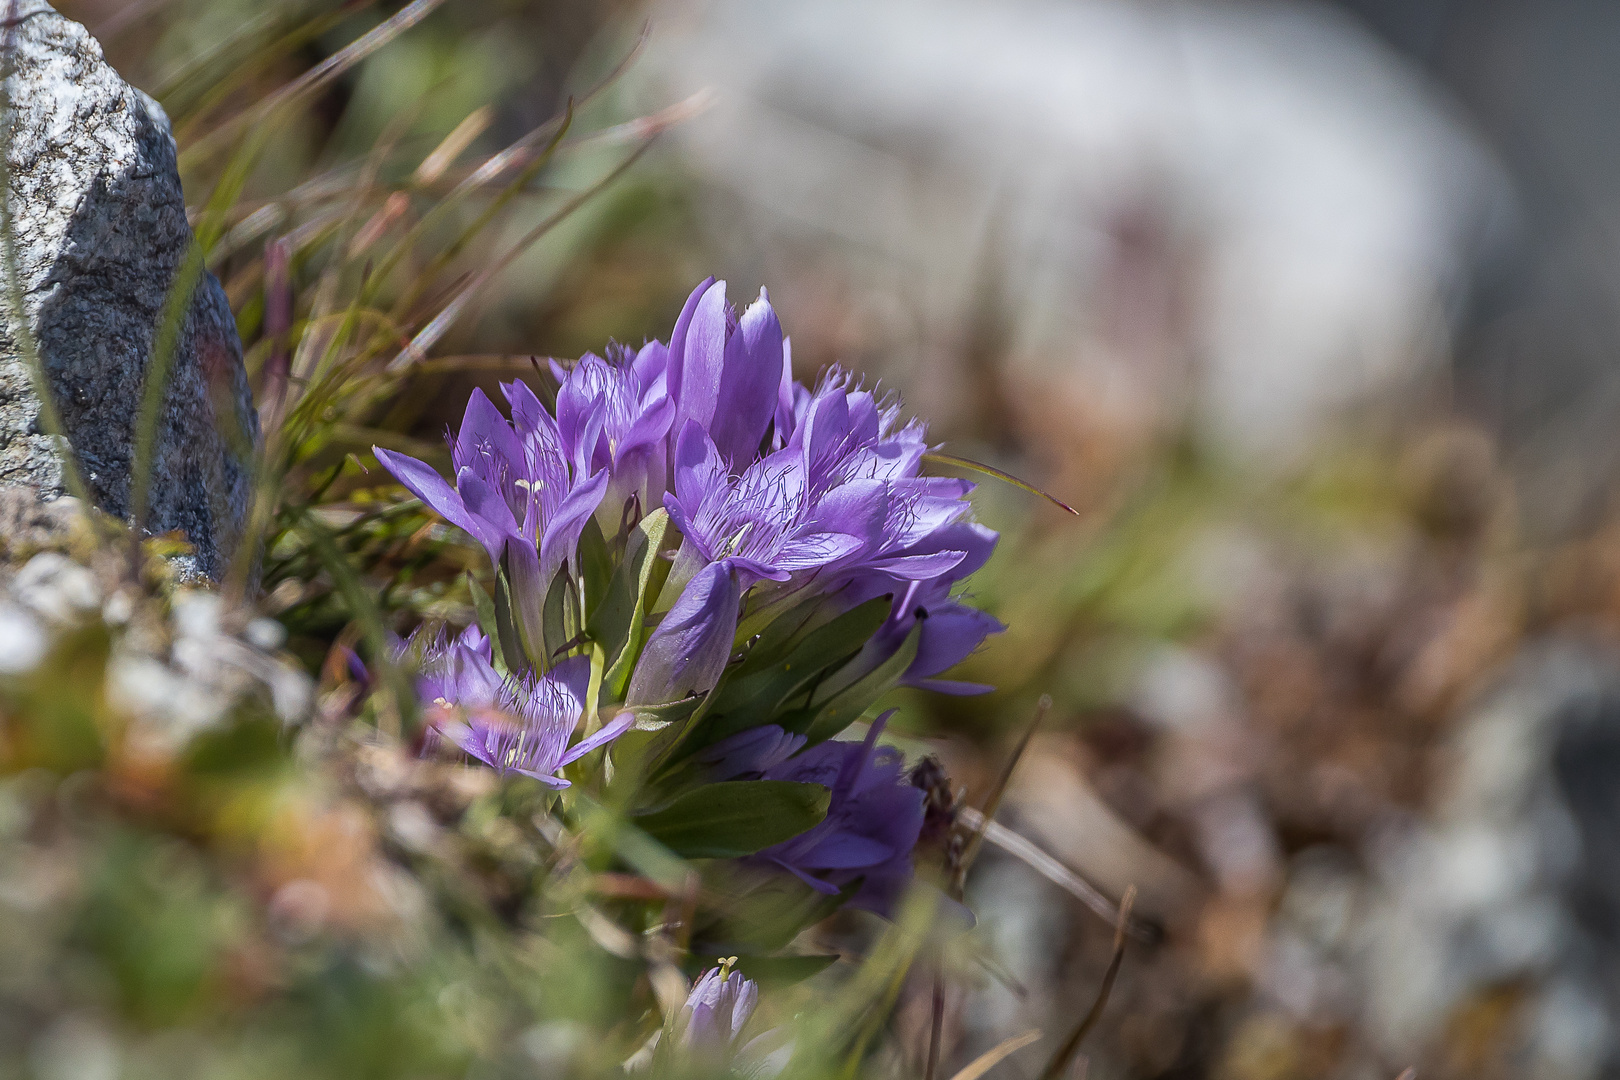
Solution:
(816, 550)
(485, 430)
(562, 531)
(490, 516)
(426, 484)
(603, 735)
(689, 650)
(747, 394)
(697, 360)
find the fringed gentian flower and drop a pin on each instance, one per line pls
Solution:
(716, 1011)
(837, 507)
(513, 726)
(873, 817)
(460, 672)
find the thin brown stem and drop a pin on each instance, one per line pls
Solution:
(993, 802)
(936, 1027)
(1071, 1046)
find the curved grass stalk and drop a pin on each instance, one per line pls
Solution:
(312, 80)
(365, 610)
(257, 60)
(969, 464)
(441, 323)
(437, 264)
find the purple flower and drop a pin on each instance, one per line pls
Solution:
(763, 521)
(853, 448)
(689, 650)
(513, 481)
(716, 1012)
(461, 672)
(750, 753)
(873, 817)
(780, 492)
(511, 725)
(726, 372)
(614, 415)
(739, 530)
(846, 434)
(950, 630)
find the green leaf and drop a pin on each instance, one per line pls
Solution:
(484, 610)
(729, 820)
(555, 619)
(613, 610)
(595, 564)
(507, 635)
(832, 714)
(765, 917)
(639, 579)
(750, 698)
(784, 970)
(659, 717)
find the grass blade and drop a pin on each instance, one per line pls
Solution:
(995, 1055)
(1071, 1046)
(969, 464)
(429, 335)
(312, 80)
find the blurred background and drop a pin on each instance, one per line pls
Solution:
(1311, 310)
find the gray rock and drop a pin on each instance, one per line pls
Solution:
(101, 231)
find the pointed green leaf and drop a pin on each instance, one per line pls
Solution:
(484, 613)
(507, 637)
(614, 608)
(723, 821)
(828, 715)
(555, 618)
(595, 564)
(649, 570)
(752, 698)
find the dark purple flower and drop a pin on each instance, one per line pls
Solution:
(873, 817)
(750, 753)
(519, 726)
(716, 1012)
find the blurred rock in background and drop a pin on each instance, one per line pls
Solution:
(1254, 212)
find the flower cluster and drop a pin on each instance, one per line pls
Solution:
(694, 543)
